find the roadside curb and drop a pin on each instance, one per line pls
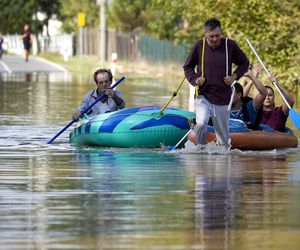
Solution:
(52, 64)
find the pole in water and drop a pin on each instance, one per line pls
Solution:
(181, 140)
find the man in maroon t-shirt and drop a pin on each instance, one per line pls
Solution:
(213, 57)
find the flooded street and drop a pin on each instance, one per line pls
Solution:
(59, 196)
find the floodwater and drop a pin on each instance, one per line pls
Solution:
(61, 197)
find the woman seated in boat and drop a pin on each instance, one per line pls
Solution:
(276, 117)
(111, 102)
(273, 118)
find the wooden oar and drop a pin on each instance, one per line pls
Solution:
(86, 110)
(174, 94)
(294, 115)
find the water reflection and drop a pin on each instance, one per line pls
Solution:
(127, 187)
(87, 196)
(35, 77)
(233, 194)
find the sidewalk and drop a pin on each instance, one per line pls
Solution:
(16, 64)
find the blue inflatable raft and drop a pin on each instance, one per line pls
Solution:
(141, 127)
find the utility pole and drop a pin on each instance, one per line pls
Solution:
(81, 23)
(102, 52)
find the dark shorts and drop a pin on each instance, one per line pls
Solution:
(27, 45)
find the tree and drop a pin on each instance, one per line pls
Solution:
(15, 13)
(272, 27)
(128, 15)
(50, 8)
(70, 9)
(165, 19)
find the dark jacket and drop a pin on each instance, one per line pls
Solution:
(214, 89)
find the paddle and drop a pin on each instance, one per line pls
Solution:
(295, 116)
(87, 109)
(174, 94)
(181, 140)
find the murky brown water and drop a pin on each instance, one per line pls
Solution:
(61, 197)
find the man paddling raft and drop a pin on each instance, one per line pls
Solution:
(113, 102)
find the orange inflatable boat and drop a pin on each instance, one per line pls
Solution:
(256, 139)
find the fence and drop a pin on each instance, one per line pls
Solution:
(13, 44)
(62, 44)
(132, 47)
(157, 50)
(129, 47)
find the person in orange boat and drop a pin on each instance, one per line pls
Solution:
(247, 109)
(274, 117)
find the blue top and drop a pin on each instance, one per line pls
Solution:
(239, 115)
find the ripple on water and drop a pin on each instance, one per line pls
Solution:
(212, 149)
(60, 196)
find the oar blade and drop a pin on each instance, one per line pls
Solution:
(171, 148)
(295, 117)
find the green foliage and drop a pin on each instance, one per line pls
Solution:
(128, 15)
(15, 13)
(165, 18)
(70, 9)
(50, 8)
(272, 26)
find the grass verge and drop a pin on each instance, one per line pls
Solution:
(143, 69)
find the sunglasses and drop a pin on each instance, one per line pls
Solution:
(106, 82)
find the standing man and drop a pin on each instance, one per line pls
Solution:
(112, 102)
(27, 41)
(213, 57)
